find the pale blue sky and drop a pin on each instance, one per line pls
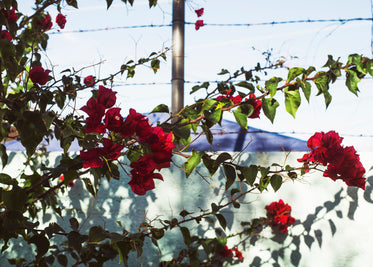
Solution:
(212, 48)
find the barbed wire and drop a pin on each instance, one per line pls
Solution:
(342, 21)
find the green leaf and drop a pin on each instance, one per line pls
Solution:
(75, 240)
(212, 117)
(6, 179)
(222, 221)
(269, 108)
(276, 182)
(89, 186)
(356, 60)
(306, 88)
(294, 72)
(223, 157)
(155, 65)
(230, 173)
(186, 235)
(370, 67)
(241, 118)
(74, 224)
(96, 234)
(210, 164)
(197, 87)
(208, 104)
(328, 98)
(3, 155)
(42, 245)
(351, 81)
(9, 197)
(72, 3)
(271, 85)
(184, 213)
(249, 174)
(123, 249)
(321, 82)
(62, 259)
(157, 234)
(192, 162)
(292, 101)
(246, 85)
(162, 108)
(214, 207)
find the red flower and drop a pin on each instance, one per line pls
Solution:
(257, 105)
(226, 252)
(113, 120)
(143, 166)
(342, 162)
(89, 80)
(92, 108)
(39, 75)
(106, 97)
(129, 126)
(61, 20)
(6, 35)
(92, 158)
(10, 14)
(161, 146)
(111, 150)
(199, 12)
(198, 24)
(140, 184)
(62, 178)
(279, 216)
(46, 23)
(237, 253)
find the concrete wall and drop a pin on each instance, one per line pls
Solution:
(333, 221)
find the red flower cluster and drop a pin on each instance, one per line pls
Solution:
(6, 35)
(10, 14)
(89, 80)
(342, 162)
(46, 23)
(256, 103)
(228, 253)
(61, 20)
(38, 75)
(198, 24)
(199, 12)
(278, 214)
(159, 144)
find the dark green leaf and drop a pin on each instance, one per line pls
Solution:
(89, 186)
(246, 85)
(72, 3)
(370, 67)
(75, 240)
(109, 2)
(269, 108)
(3, 155)
(184, 213)
(214, 207)
(222, 221)
(230, 173)
(62, 259)
(155, 65)
(9, 197)
(333, 228)
(276, 182)
(356, 60)
(249, 174)
(351, 81)
(192, 162)
(223, 157)
(210, 164)
(74, 224)
(306, 88)
(157, 234)
(186, 235)
(6, 179)
(197, 87)
(212, 117)
(161, 108)
(96, 234)
(42, 244)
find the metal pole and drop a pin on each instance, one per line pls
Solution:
(177, 80)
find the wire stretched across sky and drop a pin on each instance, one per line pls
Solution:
(342, 21)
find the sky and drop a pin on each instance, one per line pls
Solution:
(212, 48)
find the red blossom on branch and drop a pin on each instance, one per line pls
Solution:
(61, 21)
(45, 23)
(39, 75)
(198, 24)
(6, 35)
(10, 14)
(199, 12)
(257, 105)
(89, 80)
(278, 214)
(342, 162)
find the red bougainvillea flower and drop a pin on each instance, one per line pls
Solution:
(89, 80)
(235, 99)
(140, 184)
(129, 125)
(111, 150)
(161, 146)
(61, 21)
(257, 105)
(6, 35)
(198, 24)
(278, 214)
(39, 75)
(143, 166)
(45, 23)
(342, 162)
(10, 14)
(106, 97)
(92, 158)
(238, 254)
(113, 120)
(62, 178)
(226, 252)
(199, 12)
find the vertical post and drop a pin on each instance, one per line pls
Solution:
(177, 80)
